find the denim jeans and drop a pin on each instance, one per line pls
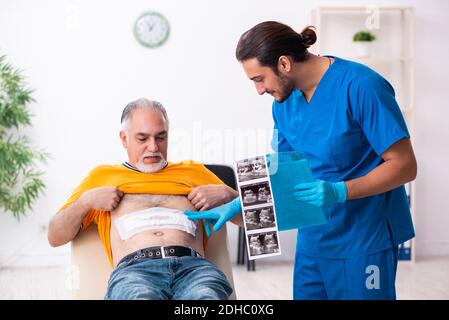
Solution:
(177, 278)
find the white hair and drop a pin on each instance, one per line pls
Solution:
(141, 104)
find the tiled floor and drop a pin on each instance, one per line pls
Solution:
(424, 279)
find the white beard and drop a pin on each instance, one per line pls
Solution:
(151, 167)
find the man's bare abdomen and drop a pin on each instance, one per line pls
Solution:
(154, 237)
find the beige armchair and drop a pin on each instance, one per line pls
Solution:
(93, 268)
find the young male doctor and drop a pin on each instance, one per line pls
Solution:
(345, 118)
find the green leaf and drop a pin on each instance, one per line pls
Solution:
(363, 36)
(20, 182)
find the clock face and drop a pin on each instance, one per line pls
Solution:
(151, 29)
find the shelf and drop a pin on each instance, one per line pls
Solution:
(407, 112)
(359, 10)
(368, 60)
(392, 55)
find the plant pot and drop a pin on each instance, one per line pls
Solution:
(362, 49)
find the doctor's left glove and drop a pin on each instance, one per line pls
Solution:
(217, 216)
(321, 193)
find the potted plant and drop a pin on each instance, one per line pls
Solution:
(362, 41)
(20, 179)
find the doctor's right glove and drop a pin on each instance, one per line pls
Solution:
(217, 216)
(321, 193)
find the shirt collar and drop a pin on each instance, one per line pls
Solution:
(127, 165)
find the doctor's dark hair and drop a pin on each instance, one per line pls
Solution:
(269, 40)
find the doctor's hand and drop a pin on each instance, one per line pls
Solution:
(217, 216)
(321, 193)
(211, 195)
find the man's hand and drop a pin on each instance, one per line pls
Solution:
(218, 216)
(321, 193)
(211, 195)
(103, 198)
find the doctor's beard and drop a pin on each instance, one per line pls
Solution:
(286, 86)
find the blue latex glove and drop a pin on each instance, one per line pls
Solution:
(217, 216)
(321, 193)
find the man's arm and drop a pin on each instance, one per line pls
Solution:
(66, 224)
(211, 195)
(399, 167)
(238, 220)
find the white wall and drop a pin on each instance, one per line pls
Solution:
(83, 61)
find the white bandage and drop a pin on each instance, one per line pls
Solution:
(153, 218)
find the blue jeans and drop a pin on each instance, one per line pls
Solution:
(177, 278)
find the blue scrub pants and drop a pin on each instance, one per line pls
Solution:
(370, 277)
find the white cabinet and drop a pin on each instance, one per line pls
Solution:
(392, 55)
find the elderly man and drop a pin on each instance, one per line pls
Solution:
(157, 253)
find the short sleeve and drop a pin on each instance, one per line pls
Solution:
(75, 194)
(279, 142)
(93, 214)
(86, 184)
(374, 107)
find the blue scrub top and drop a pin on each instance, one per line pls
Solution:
(351, 120)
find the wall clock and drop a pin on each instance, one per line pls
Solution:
(151, 29)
